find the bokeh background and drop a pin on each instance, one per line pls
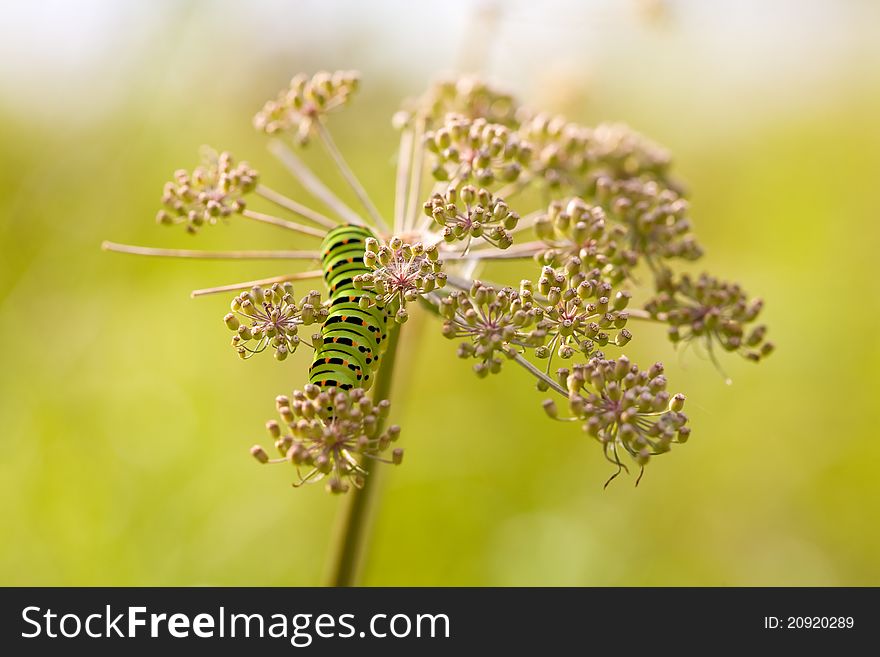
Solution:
(125, 418)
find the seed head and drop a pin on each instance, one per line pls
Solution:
(330, 433)
(212, 191)
(626, 408)
(619, 152)
(269, 317)
(474, 150)
(469, 213)
(655, 217)
(468, 96)
(561, 150)
(574, 229)
(305, 101)
(710, 310)
(489, 320)
(402, 273)
(575, 312)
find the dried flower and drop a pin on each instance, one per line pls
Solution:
(211, 192)
(330, 433)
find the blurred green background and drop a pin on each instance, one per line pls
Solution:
(125, 418)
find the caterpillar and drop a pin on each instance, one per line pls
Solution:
(352, 338)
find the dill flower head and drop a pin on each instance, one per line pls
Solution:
(468, 96)
(469, 213)
(330, 434)
(561, 154)
(624, 408)
(212, 191)
(712, 311)
(402, 273)
(619, 152)
(576, 312)
(572, 228)
(475, 150)
(595, 202)
(656, 218)
(271, 318)
(489, 319)
(297, 108)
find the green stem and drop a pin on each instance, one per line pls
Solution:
(350, 542)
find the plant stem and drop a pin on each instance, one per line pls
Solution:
(350, 178)
(404, 171)
(312, 183)
(295, 207)
(299, 276)
(350, 542)
(534, 370)
(283, 223)
(209, 255)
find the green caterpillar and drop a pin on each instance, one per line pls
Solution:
(352, 338)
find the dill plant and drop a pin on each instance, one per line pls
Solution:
(593, 212)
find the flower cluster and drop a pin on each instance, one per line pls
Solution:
(297, 108)
(656, 217)
(330, 433)
(712, 310)
(272, 318)
(575, 313)
(402, 273)
(475, 150)
(561, 150)
(617, 151)
(468, 96)
(625, 408)
(571, 156)
(213, 190)
(469, 213)
(593, 208)
(489, 320)
(572, 228)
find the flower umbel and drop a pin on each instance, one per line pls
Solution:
(713, 311)
(469, 213)
(272, 318)
(625, 408)
(591, 208)
(213, 191)
(655, 218)
(401, 273)
(468, 96)
(489, 319)
(573, 228)
(330, 434)
(574, 312)
(475, 150)
(297, 108)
